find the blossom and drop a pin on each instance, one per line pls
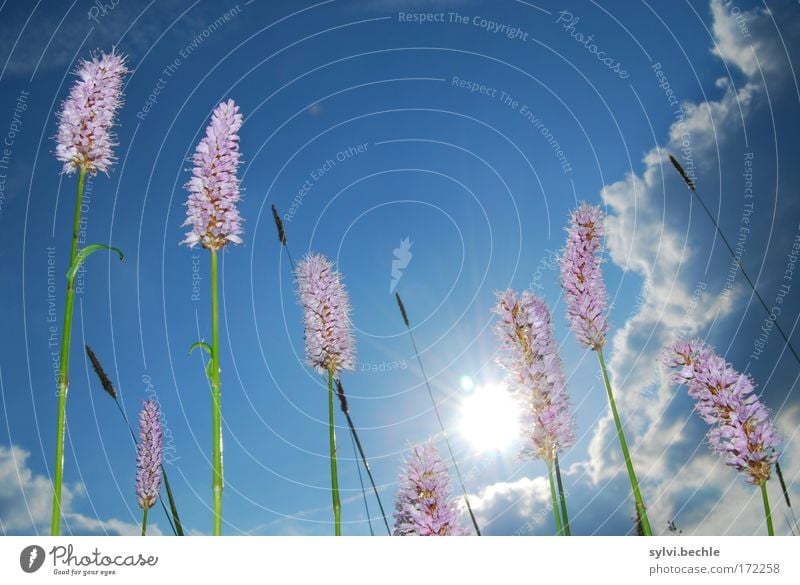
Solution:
(423, 506)
(581, 278)
(149, 455)
(741, 430)
(326, 314)
(214, 187)
(84, 138)
(530, 355)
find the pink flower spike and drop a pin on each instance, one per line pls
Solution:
(84, 138)
(423, 506)
(581, 278)
(326, 313)
(741, 430)
(530, 355)
(214, 187)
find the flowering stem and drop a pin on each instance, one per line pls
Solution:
(63, 366)
(624, 445)
(216, 413)
(562, 498)
(144, 522)
(559, 528)
(767, 511)
(337, 507)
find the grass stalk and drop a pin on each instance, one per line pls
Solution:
(357, 441)
(404, 315)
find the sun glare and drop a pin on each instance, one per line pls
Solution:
(489, 418)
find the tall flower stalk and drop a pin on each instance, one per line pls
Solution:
(424, 506)
(84, 143)
(328, 341)
(530, 355)
(215, 222)
(587, 303)
(741, 429)
(149, 457)
(357, 446)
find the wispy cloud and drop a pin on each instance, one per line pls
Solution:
(54, 35)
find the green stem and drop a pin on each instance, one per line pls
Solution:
(562, 498)
(144, 522)
(767, 511)
(559, 528)
(216, 399)
(63, 366)
(624, 445)
(337, 507)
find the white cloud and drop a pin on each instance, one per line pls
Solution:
(520, 507)
(746, 39)
(26, 500)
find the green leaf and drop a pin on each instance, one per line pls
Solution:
(85, 253)
(209, 351)
(172, 506)
(203, 345)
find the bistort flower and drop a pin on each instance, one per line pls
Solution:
(423, 506)
(84, 136)
(741, 430)
(581, 278)
(149, 455)
(530, 355)
(326, 315)
(214, 187)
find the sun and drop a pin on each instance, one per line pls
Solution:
(489, 418)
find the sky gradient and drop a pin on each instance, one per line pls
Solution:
(469, 128)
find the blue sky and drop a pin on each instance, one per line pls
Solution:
(472, 178)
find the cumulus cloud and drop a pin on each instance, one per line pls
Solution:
(26, 500)
(747, 39)
(520, 507)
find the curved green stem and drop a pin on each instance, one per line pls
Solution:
(216, 399)
(556, 515)
(63, 366)
(337, 506)
(562, 498)
(637, 495)
(767, 511)
(144, 522)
